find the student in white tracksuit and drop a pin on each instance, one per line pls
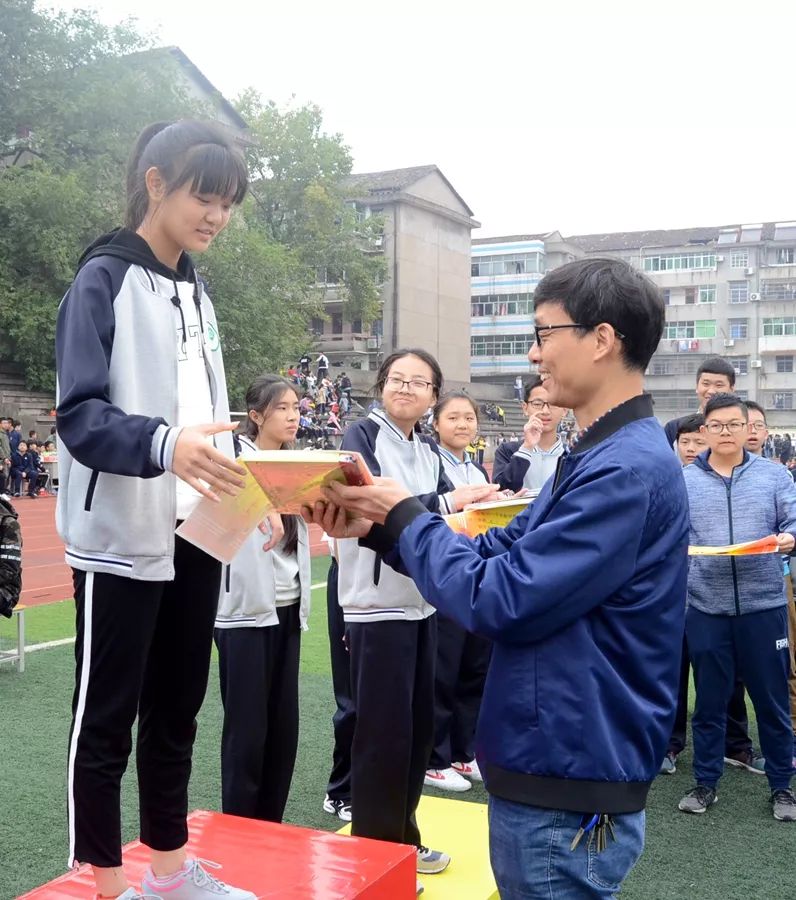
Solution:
(462, 658)
(263, 608)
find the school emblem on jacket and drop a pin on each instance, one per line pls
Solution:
(212, 337)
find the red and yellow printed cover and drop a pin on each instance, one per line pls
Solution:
(767, 544)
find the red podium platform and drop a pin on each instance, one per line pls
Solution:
(273, 861)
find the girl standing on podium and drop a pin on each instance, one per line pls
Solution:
(144, 431)
(390, 629)
(264, 605)
(462, 658)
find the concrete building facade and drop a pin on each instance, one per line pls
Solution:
(426, 294)
(729, 291)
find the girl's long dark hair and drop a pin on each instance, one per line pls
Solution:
(186, 152)
(262, 394)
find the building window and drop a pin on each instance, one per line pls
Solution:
(690, 296)
(707, 293)
(667, 296)
(499, 344)
(739, 329)
(784, 363)
(780, 326)
(356, 326)
(507, 264)
(778, 290)
(316, 325)
(678, 331)
(501, 305)
(705, 328)
(739, 292)
(676, 401)
(785, 256)
(672, 262)
(780, 400)
(337, 323)
(739, 363)
(739, 259)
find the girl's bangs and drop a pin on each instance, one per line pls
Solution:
(214, 170)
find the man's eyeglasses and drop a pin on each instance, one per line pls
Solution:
(543, 331)
(414, 386)
(757, 426)
(718, 427)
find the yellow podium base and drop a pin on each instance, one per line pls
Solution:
(460, 829)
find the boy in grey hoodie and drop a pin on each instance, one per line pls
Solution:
(736, 605)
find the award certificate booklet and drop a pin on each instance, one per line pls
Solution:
(478, 518)
(276, 481)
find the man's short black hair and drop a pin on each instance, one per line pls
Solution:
(530, 385)
(750, 404)
(593, 291)
(724, 401)
(690, 424)
(715, 365)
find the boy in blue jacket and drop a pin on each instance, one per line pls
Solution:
(583, 596)
(737, 615)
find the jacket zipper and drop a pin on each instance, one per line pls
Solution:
(728, 488)
(228, 577)
(92, 485)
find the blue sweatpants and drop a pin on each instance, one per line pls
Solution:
(756, 646)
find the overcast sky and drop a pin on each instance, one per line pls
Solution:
(578, 116)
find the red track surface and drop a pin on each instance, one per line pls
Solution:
(45, 576)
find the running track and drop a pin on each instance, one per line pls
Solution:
(45, 576)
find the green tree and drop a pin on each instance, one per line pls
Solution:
(76, 93)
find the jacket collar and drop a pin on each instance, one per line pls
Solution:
(701, 462)
(639, 407)
(446, 454)
(385, 422)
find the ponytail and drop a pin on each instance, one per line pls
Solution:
(186, 152)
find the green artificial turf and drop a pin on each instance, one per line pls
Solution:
(734, 852)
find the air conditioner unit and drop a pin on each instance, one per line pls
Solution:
(750, 270)
(729, 343)
(754, 296)
(373, 343)
(756, 364)
(719, 259)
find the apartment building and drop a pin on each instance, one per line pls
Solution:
(729, 291)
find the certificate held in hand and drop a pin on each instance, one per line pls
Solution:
(279, 481)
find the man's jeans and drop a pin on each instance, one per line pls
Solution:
(529, 850)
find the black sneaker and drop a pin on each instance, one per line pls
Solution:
(339, 808)
(669, 764)
(698, 800)
(784, 804)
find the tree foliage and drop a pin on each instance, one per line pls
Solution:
(76, 93)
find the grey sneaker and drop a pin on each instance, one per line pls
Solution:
(669, 764)
(750, 760)
(193, 883)
(431, 862)
(784, 804)
(698, 800)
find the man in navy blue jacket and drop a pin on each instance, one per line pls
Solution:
(583, 596)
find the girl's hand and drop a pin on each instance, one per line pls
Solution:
(273, 526)
(475, 493)
(786, 542)
(335, 522)
(197, 461)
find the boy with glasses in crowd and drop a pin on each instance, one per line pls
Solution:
(737, 615)
(530, 462)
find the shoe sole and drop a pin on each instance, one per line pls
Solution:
(435, 871)
(736, 763)
(672, 771)
(697, 812)
(785, 818)
(454, 789)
